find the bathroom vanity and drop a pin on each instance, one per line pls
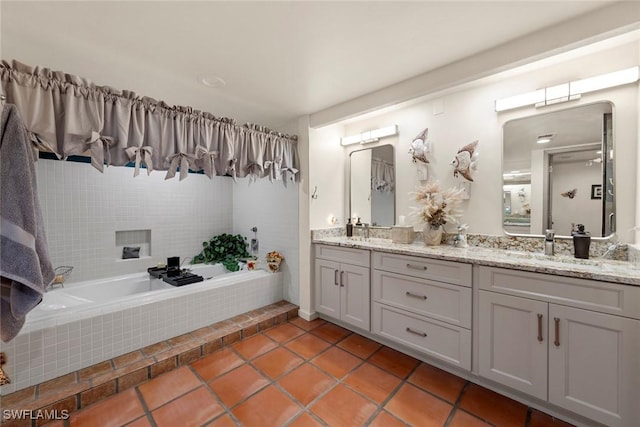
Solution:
(559, 334)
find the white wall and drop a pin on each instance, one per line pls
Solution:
(326, 176)
(273, 208)
(581, 209)
(469, 115)
(83, 209)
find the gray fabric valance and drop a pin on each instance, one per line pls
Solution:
(70, 115)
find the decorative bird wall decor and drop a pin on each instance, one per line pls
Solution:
(465, 161)
(420, 148)
(570, 194)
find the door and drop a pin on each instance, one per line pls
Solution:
(513, 342)
(355, 296)
(594, 365)
(327, 287)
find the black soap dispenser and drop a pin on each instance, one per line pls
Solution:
(581, 242)
(349, 228)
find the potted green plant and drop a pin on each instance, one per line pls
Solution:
(224, 248)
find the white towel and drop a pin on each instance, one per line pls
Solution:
(25, 266)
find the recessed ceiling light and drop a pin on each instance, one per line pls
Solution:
(543, 139)
(212, 81)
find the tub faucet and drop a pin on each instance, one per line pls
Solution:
(185, 260)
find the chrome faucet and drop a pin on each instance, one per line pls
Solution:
(365, 230)
(549, 242)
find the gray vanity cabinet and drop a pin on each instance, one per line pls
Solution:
(342, 284)
(571, 342)
(423, 304)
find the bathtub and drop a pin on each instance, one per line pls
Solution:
(76, 299)
(86, 323)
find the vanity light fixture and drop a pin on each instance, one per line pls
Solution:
(370, 135)
(569, 91)
(515, 174)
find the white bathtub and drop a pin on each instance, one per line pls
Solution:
(85, 323)
(71, 301)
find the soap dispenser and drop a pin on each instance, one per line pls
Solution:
(581, 242)
(349, 228)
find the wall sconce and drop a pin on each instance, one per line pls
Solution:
(370, 135)
(569, 91)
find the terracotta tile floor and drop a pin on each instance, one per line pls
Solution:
(309, 374)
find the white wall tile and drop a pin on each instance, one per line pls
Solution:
(273, 208)
(83, 209)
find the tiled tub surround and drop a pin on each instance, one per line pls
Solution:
(95, 383)
(73, 340)
(563, 247)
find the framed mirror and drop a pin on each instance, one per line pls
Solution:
(558, 171)
(372, 179)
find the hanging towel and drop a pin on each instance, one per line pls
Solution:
(25, 267)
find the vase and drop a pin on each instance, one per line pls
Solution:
(274, 264)
(432, 235)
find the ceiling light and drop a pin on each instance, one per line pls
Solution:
(543, 139)
(212, 81)
(370, 135)
(569, 91)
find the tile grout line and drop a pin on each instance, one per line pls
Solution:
(147, 412)
(206, 385)
(456, 405)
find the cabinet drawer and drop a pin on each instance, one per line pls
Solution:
(443, 271)
(440, 340)
(449, 303)
(605, 297)
(347, 255)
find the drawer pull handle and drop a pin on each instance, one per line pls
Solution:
(539, 327)
(411, 331)
(417, 267)
(556, 342)
(422, 297)
(335, 277)
(342, 279)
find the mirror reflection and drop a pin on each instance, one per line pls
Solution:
(372, 186)
(558, 171)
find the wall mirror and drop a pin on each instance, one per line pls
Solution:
(558, 170)
(372, 180)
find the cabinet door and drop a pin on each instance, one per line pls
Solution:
(355, 296)
(594, 365)
(513, 342)
(328, 287)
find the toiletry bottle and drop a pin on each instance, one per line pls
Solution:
(581, 242)
(549, 242)
(349, 228)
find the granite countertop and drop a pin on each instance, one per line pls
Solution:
(623, 272)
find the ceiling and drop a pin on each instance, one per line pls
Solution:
(280, 60)
(570, 127)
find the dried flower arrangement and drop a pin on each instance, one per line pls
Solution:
(438, 207)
